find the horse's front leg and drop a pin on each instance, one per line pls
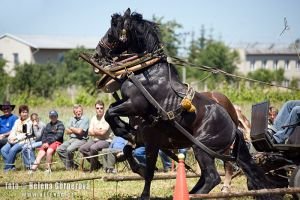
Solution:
(151, 158)
(118, 126)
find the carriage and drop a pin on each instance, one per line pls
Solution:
(281, 162)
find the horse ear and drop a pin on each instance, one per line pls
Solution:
(114, 18)
(127, 12)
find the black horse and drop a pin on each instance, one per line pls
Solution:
(213, 123)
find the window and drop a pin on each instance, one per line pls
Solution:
(275, 63)
(1, 55)
(286, 65)
(298, 65)
(16, 58)
(252, 65)
(60, 57)
(264, 64)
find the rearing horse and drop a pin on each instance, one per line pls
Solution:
(212, 124)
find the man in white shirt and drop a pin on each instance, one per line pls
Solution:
(100, 138)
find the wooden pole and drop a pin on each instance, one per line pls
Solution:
(137, 178)
(246, 193)
(139, 66)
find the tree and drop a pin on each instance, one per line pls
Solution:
(267, 75)
(35, 79)
(213, 54)
(168, 35)
(75, 71)
(4, 80)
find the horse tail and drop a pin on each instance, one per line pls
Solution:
(255, 175)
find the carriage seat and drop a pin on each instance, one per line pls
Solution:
(261, 139)
(259, 127)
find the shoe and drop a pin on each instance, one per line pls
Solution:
(96, 167)
(111, 171)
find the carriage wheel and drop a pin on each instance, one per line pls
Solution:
(295, 181)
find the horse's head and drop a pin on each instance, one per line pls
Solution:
(128, 32)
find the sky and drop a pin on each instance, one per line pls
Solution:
(232, 21)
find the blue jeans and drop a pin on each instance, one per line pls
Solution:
(140, 155)
(288, 114)
(166, 161)
(9, 153)
(28, 155)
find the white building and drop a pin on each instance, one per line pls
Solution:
(38, 49)
(271, 57)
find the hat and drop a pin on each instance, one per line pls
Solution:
(53, 113)
(7, 104)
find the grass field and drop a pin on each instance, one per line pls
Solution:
(50, 186)
(97, 189)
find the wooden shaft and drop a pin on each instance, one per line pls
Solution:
(96, 65)
(246, 193)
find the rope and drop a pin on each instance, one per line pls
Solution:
(215, 70)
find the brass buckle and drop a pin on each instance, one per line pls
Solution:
(170, 115)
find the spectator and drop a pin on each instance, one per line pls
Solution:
(16, 138)
(99, 131)
(77, 129)
(34, 141)
(166, 161)
(114, 151)
(140, 155)
(52, 138)
(289, 114)
(7, 121)
(273, 112)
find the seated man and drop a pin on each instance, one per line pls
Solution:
(34, 141)
(77, 129)
(7, 121)
(99, 131)
(114, 150)
(289, 114)
(52, 138)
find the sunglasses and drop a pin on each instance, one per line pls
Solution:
(5, 107)
(99, 108)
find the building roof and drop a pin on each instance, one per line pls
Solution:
(55, 42)
(268, 48)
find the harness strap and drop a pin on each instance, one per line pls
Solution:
(170, 116)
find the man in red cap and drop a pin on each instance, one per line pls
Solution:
(7, 121)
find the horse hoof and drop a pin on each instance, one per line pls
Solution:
(144, 197)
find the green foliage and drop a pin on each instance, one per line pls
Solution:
(214, 54)
(76, 71)
(84, 98)
(243, 93)
(35, 79)
(267, 75)
(168, 36)
(4, 80)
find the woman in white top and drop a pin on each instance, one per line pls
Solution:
(16, 138)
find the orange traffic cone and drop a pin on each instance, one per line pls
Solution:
(181, 190)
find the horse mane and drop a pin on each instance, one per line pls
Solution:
(146, 34)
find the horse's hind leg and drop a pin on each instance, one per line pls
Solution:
(209, 174)
(151, 158)
(228, 168)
